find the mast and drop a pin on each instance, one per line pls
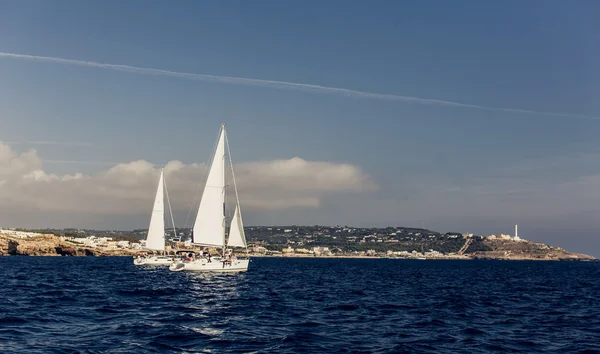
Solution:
(224, 223)
(236, 228)
(170, 209)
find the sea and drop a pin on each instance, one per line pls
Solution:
(291, 305)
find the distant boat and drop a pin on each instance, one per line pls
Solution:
(210, 227)
(155, 240)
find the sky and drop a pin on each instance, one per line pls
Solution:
(458, 116)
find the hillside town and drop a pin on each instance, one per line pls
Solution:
(294, 241)
(319, 241)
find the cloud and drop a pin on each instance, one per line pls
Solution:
(59, 143)
(284, 85)
(560, 191)
(78, 162)
(128, 188)
(543, 202)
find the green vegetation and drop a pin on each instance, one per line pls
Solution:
(478, 245)
(340, 239)
(346, 239)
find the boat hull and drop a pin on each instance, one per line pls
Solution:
(202, 265)
(156, 261)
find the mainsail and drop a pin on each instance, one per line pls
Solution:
(156, 231)
(209, 227)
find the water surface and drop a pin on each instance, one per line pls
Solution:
(108, 305)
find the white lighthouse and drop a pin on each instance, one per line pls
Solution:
(517, 233)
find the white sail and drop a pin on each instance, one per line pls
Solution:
(209, 227)
(156, 231)
(237, 238)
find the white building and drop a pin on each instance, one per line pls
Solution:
(321, 251)
(20, 234)
(259, 249)
(123, 244)
(517, 238)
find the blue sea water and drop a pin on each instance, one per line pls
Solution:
(281, 305)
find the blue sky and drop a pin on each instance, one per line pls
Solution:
(456, 168)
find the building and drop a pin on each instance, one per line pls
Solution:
(321, 251)
(19, 234)
(259, 249)
(123, 244)
(517, 238)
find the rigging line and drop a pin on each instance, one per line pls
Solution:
(169, 202)
(200, 185)
(185, 225)
(237, 198)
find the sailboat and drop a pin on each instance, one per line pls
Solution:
(212, 222)
(155, 240)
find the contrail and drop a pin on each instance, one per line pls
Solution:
(284, 85)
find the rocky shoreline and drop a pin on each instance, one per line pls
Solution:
(527, 250)
(49, 245)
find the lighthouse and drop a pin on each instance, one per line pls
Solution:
(517, 233)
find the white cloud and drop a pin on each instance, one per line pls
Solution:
(78, 162)
(128, 188)
(47, 142)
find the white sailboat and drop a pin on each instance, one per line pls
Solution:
(155, 240)
(210, 227)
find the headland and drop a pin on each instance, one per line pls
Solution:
(294, 241)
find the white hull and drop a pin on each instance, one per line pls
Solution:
(203, 265)
(154, 260)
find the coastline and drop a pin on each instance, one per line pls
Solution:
(442, 258)
(53, 246)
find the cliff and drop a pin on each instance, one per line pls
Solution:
(524, 250)
(49, 245)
